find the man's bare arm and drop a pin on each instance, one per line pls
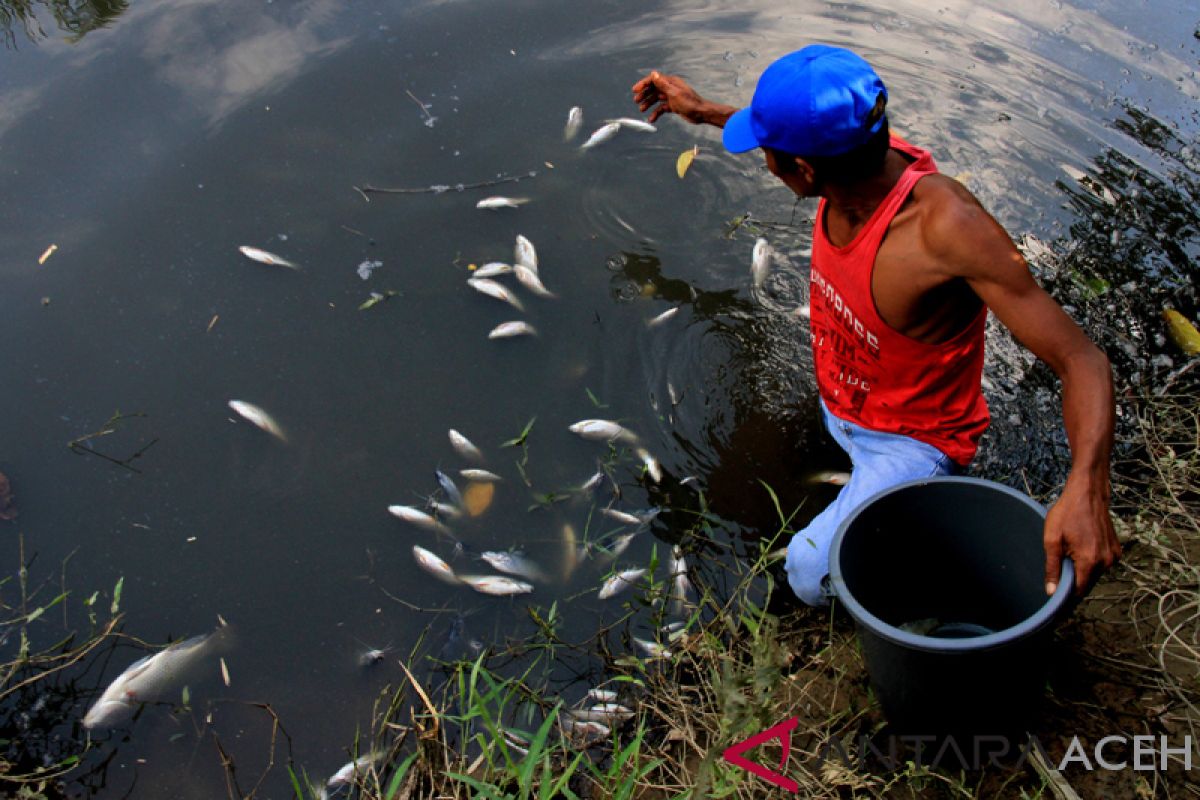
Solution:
(974, 246)
(671, 94)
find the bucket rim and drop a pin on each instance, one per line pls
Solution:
(1044, 616)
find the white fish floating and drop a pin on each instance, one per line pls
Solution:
(346, 774)
(415, 516)
(259, 418)
(574, 123)
(619, 545)
(592, 482)
(830, 477)
(634, 124)
(603, 712)
(151, 678)
(663, 317)
(652, 649)
(570, 550)
(525, 253)
(481, 475)
(508, 330)
(681, 585)
(653, 469)
(492, 289)
(446, 510)
(602, 695)
(760, 262)
(513, 564)
(531, 281)
(496, 584)
(584, 730)
(263, 257)
(463, 446)
(602, 430)
(620, 582)
(492, 269)
(601, 135)
(434, 565)
(501, 202)
(624, 517)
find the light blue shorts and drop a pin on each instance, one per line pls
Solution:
(880, 460)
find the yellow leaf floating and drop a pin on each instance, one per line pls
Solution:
(685, 160)
(1182, 331)
(478, 497)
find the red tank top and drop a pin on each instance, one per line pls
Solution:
(874, 376)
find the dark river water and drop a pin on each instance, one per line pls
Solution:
(150, 148)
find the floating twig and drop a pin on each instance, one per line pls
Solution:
(440, 188)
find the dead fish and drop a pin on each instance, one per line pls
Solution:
(620, 582)
(463, 446)
(623, 517)
(501, 202)
(651, 464)
(447, 484)
(663, 317)
(652, 649)
(260, 418)
(478, 497)
(151, 678)
(681, 585)
(603, 712)
(434, 565)
(831, 477)
(445, 510)
(601, 135)
(264, 257)
(583, 730)
(602, 430)
(513, 564)
(592, 482)
(496, 584)
(479, 475)
(602, 695)
(492, 289)
(531, 281)
(372, 656)
(570, 550)
(346, 774)
(574, 123)
(415, 516)
(525, 253)
(492, 269)
(634, 124)
(619, 545)
(760, 262)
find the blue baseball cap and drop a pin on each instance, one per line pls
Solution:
(819, 101)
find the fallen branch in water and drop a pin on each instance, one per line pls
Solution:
(441, 188)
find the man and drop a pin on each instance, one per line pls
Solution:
(905, 265)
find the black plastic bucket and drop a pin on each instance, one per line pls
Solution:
(945, 578)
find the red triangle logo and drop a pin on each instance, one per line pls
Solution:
(782, 732)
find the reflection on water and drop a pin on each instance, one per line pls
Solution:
(227, 124)
(76, 18)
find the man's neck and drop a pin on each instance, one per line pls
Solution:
(855, 202)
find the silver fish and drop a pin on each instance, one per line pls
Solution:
(481, 475)
(445, 510)
(507, 330)
(601, 135)
(434, 565)
(760, 262)
(620, 545)
(623, 517)
(447, 484)
(346, 774)
(513, 564)
(663, 317)
(463, 446)
(492, 289)
(592, 482)
(652, 465)
(415, 516)
(574, 123)
(603, 712)
(620, 582)
(652, 649)
(496, 584)
(150, 678)
(501, 202)
(602, 430)
(531, 281)
(266, 258)
(681, 586)
(583, 730)
(634, 124)
(525, 253)
(260, 418)
(602, 695)
(492, 269)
